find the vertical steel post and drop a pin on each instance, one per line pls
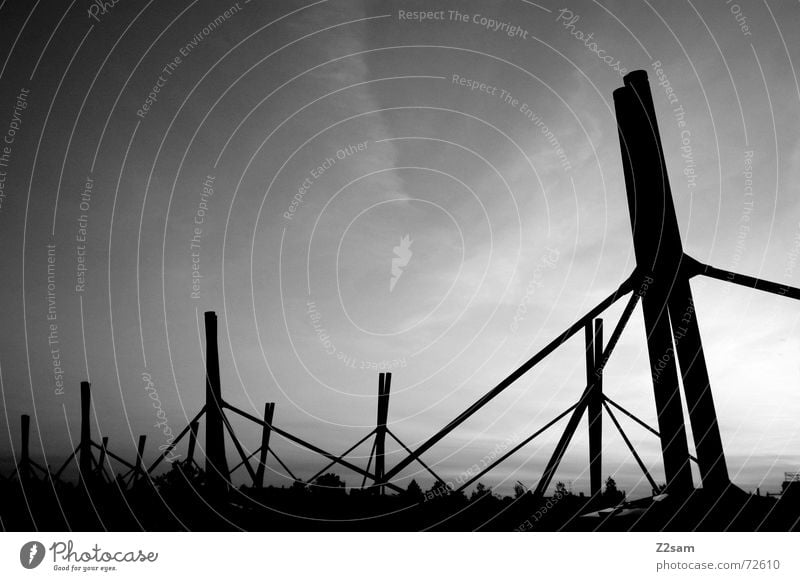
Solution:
(269, 411)
(594, 377)
(24, 464)
(85, 445)
(384, 385)
(697, 388)
(216, 463)
(658, 250)
(26, 435)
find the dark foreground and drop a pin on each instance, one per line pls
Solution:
(183, 501)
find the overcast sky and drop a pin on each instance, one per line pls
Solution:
(305, 147)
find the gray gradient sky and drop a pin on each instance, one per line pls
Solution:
(496, 217)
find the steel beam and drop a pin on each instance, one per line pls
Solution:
(216, 463)
(266, 431)
(190, 426)
(309, 446)
(658, 250)
(85, 445)
(193, 427)
(594, 354)
(638, 459)
(344, 454)
(580, 407)
(24, 464)
(137, 468)
(697, 388)
(748, 281)
(384, 385)
(623, 289)
(517, 447)
(436, 477)
(101, 462)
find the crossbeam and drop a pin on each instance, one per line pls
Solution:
(583, 402)
(623, 289)
(749, 281)
(307, 445)
(513, 450)
(636, 456)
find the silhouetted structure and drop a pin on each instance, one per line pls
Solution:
(660, 281)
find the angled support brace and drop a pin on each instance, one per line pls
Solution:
(517, 447)
(432, 473)
(343, 455)
(583, 402)
(284, 466)
(239, 449)
(623, 289)
(652, 482)
(744, 280)
(307, 445)
(190, 426)
(266, 431)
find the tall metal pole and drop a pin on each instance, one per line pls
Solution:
(269, 411)
(594, 377)
(216, 463)
(85, 445)
(658, 250)
(697, 388)
(24, 465)
(623, 289)
(384, 384)
(26, 435)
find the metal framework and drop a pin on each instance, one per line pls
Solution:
(661, 282)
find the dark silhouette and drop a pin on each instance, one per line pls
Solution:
(188, 496)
